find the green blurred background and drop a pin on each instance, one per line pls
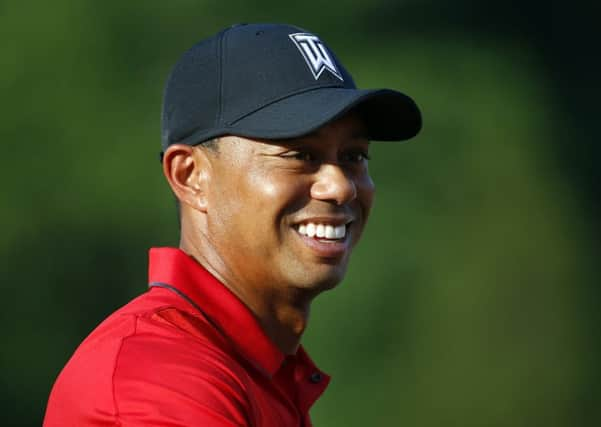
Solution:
(473, 299)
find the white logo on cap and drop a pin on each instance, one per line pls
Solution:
(315, 53)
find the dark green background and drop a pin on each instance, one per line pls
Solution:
(473, 299)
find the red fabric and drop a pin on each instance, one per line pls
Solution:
(159, 361)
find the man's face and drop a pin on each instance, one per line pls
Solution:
(288, 213)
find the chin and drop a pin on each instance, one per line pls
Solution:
(319, 281)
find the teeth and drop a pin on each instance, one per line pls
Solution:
(329, 232)
(322, 230)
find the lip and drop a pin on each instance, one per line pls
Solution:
(330, 249)
(329, 219)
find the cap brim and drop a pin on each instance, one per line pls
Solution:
(388, 114)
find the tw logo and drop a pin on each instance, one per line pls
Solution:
(315, 53)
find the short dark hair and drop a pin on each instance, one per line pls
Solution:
(211, 144)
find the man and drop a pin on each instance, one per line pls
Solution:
(265, 146)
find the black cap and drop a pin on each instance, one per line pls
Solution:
(272, 81)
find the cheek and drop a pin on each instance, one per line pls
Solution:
(277, 194)
(365, 193)
(231, 207)
(265, 190)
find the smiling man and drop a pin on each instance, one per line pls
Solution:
(265, 146)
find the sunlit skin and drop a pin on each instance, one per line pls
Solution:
(241, 206)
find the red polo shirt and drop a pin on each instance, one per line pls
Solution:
(186, 353)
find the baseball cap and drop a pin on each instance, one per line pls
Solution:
(272, 81)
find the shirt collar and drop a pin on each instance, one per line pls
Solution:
(174, 267)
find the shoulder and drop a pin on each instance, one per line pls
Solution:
(178, 375)
(152, 364)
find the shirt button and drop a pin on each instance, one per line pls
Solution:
(316, 377)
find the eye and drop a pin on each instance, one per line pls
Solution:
(355, 156)
(304, 156)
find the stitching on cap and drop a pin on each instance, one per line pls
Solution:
(279, 98)
(220, 51)
(326, 113)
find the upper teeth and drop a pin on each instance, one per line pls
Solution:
(322, 230)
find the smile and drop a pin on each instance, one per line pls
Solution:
(323, 231)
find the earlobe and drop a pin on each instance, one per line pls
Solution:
(186, 170)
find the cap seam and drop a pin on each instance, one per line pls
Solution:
(279, 98)
(326, 113)
(220, 51)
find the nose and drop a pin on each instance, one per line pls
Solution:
(333, 185)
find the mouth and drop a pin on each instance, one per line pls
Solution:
(326, 239)
(325, 232)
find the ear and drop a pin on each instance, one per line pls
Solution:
(187, 170)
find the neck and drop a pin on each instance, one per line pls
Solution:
(282, 312)
(284, 319)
